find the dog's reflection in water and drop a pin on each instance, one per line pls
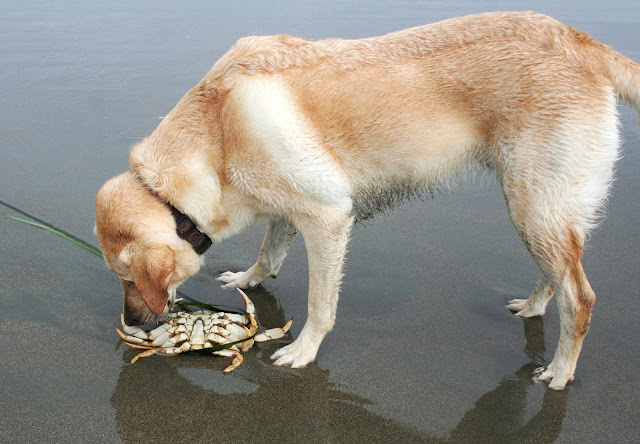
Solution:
(498, 416)
(171, 399)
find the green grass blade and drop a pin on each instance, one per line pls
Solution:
(192, 302)
(59, 233)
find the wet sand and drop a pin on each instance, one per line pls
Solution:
(424, 349)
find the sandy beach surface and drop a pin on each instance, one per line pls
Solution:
(424, 349)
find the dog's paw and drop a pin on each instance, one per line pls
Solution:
(241, 279)
(524, 309)
(294, 355)
(548, 376)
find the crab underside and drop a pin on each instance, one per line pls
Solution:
(225, 334)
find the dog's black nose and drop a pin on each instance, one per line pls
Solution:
(130, 320)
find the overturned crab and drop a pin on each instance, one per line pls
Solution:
(227, 334)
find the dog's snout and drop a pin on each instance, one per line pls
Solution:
(129, 319)
(135, 310)
(133, 317)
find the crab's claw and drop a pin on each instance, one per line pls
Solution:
(248, 305)
(274, 333)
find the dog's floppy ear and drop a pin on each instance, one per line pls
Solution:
(151, 271)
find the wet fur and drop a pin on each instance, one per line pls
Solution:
(314, 135)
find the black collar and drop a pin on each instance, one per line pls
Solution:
(188, 230)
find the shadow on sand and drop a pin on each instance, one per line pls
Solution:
(187, 399)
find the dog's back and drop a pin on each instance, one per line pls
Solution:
(411, 110)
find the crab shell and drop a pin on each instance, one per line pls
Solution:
(200, 330)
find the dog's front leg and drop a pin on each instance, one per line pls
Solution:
(274, 249)
(326, 240)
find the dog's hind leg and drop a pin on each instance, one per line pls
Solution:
(555, 240)
(326, 237)
(555, 176)
(562, 258)
(553, 193)
(274, 249)
(536, 305)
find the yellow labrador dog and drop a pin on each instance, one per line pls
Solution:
(311, 136)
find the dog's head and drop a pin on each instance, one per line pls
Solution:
(137, 235)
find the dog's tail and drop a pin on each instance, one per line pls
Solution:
(625, 76)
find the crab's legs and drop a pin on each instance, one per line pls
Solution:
(237, 358)
(274, 333)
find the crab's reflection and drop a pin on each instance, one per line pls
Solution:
(187, 399)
